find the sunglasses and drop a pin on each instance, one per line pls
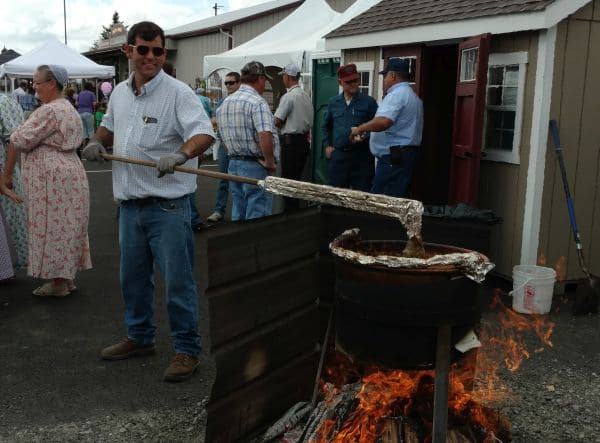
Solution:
(229, 83)
(157, 51)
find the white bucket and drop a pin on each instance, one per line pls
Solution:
(533, 287)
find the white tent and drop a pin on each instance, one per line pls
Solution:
(290, 40)
(54, 52)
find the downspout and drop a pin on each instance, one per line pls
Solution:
(230, 36)
(538, 146)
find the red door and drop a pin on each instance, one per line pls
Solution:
(413, 55)
(468, 119)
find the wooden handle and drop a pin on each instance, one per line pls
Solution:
(211, 174)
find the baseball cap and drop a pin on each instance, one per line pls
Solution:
(292, 70)
(348, 72)
(255, 68)
(396, 65)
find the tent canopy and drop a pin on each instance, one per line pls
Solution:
(54, 52)
(289, 40)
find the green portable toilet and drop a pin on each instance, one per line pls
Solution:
(325, 85)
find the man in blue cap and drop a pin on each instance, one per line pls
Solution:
(396, 131)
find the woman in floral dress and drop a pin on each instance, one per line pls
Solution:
(55, 185)
(11, 116)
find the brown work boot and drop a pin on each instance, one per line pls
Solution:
(125, 349)
(181, 368)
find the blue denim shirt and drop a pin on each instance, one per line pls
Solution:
(340, 117)
(405, 109)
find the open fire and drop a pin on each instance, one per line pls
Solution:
(373, 405)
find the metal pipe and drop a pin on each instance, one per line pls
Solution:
(65, 19)
(231, 39)
(440, 393)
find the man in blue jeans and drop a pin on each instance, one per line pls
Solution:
(396, 131)
(152, 116)
(247, 128)
(232, 83)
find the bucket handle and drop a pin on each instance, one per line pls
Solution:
(518, 288)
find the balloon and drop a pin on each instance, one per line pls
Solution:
(106, 87)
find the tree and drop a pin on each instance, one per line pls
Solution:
(107, 31)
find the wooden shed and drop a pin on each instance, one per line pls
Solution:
(492, 73)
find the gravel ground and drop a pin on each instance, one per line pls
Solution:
(185, 424)
(554, 397)
(555, 394)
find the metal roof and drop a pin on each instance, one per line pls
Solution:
(226, 19)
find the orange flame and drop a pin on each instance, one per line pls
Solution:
(410, 393)
(561, 269)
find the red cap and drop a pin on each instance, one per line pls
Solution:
(348, 72)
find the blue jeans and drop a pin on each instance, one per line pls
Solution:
(351, 169)
(223, 190)
(394, 179)
(249, 201)
(157, 231)
(194, 214)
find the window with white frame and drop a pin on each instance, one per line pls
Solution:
(365, 82)
(504, 106)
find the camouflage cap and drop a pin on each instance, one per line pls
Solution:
(255, 68)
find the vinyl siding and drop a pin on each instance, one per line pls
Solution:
(189, 59)
(502, 185)
(576, 107)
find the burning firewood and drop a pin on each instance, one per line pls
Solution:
(288, 421)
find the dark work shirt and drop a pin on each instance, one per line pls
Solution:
(340, 117)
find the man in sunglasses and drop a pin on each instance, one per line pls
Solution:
(351, 164)
(152, 116)
(232, 83)
(247, 128)
(396, 131)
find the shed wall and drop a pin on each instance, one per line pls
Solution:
(576, 107)
(243, 32)
(189, 59)
(502, 185)
(366, 55)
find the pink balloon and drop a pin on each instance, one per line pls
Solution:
(106, 87)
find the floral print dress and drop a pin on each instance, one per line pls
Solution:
(56, 191)
(11, 116)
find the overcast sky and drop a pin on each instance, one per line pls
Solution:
(26, 24)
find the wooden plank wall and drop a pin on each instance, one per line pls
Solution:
(261, 283)
(502, 185)
(366, 55)
(576, 107)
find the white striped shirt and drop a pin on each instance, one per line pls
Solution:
(166, 114)
(241, 116)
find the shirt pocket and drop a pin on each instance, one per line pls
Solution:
(149, 136)
(338, 114)
(360, 114)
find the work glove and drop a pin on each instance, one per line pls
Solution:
(166, 164)
(93, 151)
